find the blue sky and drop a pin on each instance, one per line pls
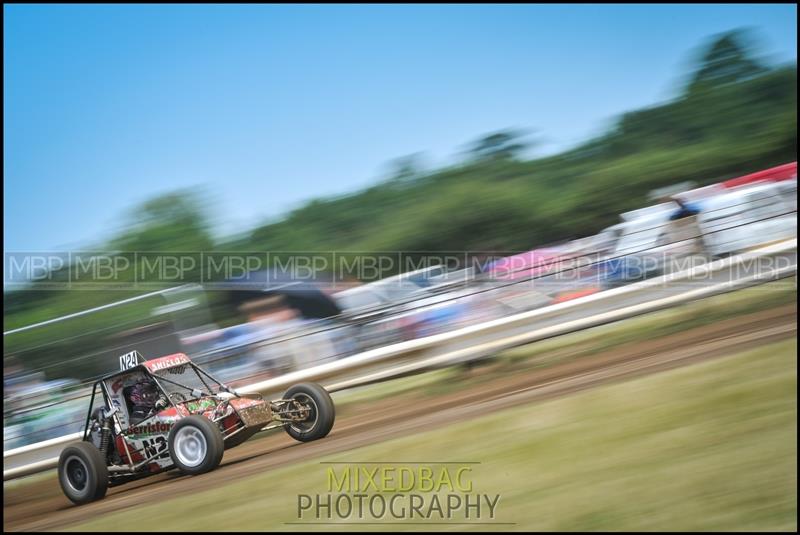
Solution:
(265, 107)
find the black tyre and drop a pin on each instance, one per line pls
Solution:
(320, 413)
(82, 473)
(195, 445)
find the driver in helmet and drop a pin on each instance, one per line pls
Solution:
(145, 400)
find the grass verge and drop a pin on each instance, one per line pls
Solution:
(711, 446)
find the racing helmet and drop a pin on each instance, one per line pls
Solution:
(144, 394)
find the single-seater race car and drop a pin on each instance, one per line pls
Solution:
(155, 415)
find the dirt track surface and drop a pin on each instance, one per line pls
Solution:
(41, 506)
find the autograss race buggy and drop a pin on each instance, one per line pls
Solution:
(165, 413)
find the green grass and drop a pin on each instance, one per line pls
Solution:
(712, 446)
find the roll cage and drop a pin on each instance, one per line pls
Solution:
(210, 383)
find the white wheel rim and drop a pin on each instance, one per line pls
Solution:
(190, 446)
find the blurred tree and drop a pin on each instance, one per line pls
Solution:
(406, 168)
(502, 145)
(174, 221)
(729, 59)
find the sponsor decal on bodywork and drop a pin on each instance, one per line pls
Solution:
(200, 405)
(166, 362)
(152, 428)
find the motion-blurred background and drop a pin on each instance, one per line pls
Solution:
(521, 217)
(732, 113)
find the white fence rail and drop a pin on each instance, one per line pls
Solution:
(486, 338)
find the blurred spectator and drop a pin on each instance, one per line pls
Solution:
(685, 209)
(269, 317)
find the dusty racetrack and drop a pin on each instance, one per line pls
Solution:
(40, 505)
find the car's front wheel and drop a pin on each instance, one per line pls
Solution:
(196, 445)
(82, 473)
(315, 409)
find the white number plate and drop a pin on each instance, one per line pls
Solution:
(128, 360)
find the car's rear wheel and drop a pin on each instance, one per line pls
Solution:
(82, 473)
(317, 412)
(196, 445)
